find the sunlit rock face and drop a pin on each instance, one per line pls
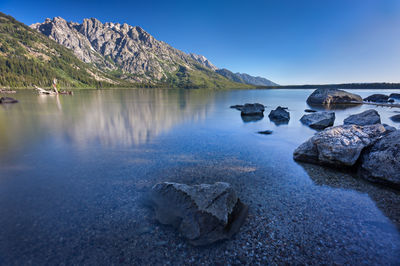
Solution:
(114, 45)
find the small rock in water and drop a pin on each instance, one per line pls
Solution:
(252, 109)
(319, 120)
(279, 115)
(7, 100)
(395, 118)
(265, 132)
(310, 111)
(395, 96)
(202, 213)
(377, 98)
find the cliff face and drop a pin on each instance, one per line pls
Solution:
(112, 46)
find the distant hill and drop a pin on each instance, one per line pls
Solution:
(245, 78)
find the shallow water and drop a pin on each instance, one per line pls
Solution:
(73, 170)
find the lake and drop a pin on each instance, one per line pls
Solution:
(74, 171)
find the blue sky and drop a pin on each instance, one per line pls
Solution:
(289, 42)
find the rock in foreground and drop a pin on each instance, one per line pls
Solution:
(338, 146)
(319, 120)
(381, 162)
(369, 117)
(202, 213)
(332, 96)
(7, 100)
(279, 115)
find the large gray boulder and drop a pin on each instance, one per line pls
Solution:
(338, 146)
(319, 120)
(202, 213)
(368, 117)
(279, 115)
(381, 162)
(332, 96)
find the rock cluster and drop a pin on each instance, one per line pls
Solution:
(202, 213)
(338, 146)
(377, 98)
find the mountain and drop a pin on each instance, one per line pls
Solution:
(132, 54)
(28, 58)
(204, 61)
(245, 78)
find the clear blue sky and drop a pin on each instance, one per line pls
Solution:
(289, 42)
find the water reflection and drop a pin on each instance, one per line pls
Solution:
(112, 117)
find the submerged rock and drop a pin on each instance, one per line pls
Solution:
(202, 213)
(252, 109)
(395, 118)
(7, 100)
(279, 115)
(381, 162)
(319, 120)
(368, 117)
(332, 96)
(338, 146)
(377, 98)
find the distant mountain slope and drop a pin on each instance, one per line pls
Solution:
(132, 54)
(204, 61)
(245, 78)
(28, 58)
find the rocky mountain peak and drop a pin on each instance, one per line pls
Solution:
(203, 60)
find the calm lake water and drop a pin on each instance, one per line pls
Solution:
(74, 169)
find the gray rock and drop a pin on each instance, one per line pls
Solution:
(237, 107)
(395, 96)
(377, 98)
(319, 120)
(368, 117)
(381, 162)
(395, 118)
(202, 213)
(4, 100)
(279, 115)
(338, 146)
(332, 96)
(252, 109)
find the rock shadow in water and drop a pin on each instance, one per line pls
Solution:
(386, 199)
